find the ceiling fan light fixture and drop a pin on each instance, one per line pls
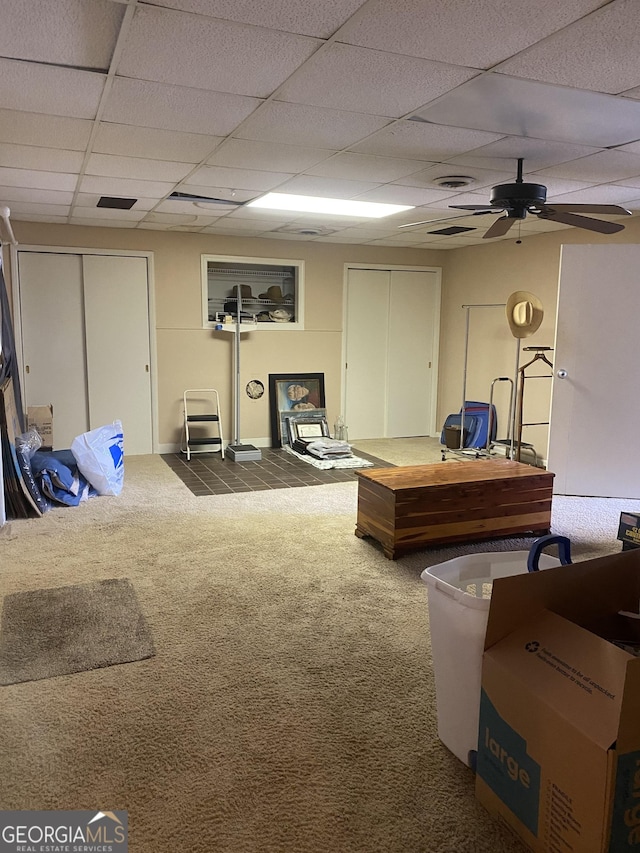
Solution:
(453, 182)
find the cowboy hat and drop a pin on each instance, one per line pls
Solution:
(524, 313)
(273, 294)
(245, 292)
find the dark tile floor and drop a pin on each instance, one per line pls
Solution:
(208, 474)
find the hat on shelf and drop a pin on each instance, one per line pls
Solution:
(245, 291)
(524, 313)
(280, 315)
(273, 294)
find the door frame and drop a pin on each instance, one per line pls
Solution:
(82, 250)
(436, 335)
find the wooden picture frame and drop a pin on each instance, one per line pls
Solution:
(291, 395)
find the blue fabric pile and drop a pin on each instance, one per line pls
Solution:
(57, 476)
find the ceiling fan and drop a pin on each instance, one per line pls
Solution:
(517, 199)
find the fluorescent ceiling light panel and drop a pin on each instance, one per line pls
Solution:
(338, 206)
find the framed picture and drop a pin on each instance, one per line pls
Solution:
(307, 428)
(292, 395)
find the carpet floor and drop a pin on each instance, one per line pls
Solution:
(290, 705)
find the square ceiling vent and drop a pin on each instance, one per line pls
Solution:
(116, 203)
(452, 229)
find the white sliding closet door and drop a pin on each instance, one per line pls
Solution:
(412, 318)
(366, 353)
(85, 343)
(52, 312)
(117, 340)
(391, 342)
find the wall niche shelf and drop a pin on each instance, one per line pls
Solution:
(271, 296)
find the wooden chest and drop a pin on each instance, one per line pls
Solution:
(409, 508)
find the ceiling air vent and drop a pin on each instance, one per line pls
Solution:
(116, 203)
(201, 199)
(453, 182)
(307, 230)
(452, 229)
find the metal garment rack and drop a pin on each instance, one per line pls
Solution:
(539, 356)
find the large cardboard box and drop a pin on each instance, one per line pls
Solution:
(41, 418)
(559, 734)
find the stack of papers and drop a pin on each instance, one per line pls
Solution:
(329, 448)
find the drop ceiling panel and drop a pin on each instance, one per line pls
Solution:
(422, 141)
(32, 128)
(537, 153)
(95, 221)
(462, 32)
(11, 194)
(39, 208)
(47, 89)
(250, 179)
(598, 168)
(325, 187)
(147, 104)
(61, 32)
(180, 219)
(30, 157)
(43, 180)
(383, 84)
(320, 18)
(296, 124)
(480, 177)
(566, 57)
(218, 55)
(114, 166)
(234, 231)
(267, 156)
(125, 188)
(38, 217)
(515, 107)
(153, 143)
(365, 167)
(604, 194)
(396, 194)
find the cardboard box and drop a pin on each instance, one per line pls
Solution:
(629, 529)
(559, 734)
(41, 418)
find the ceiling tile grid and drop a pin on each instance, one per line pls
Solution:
(349, 99)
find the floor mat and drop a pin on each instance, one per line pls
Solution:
(49, 632)
(208, 474)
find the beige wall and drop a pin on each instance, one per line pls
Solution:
(189, 356)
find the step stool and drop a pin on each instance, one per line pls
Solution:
(202, 406)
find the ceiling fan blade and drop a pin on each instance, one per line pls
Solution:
(567, 218)
(588, 208)
(484, 208)
(444, 219)
(500, 227)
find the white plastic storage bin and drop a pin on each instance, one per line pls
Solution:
(458, 597)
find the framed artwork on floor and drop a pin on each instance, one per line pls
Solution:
(291, 395)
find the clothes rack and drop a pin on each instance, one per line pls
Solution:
(540, 355)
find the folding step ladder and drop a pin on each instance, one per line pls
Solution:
(202, 406)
